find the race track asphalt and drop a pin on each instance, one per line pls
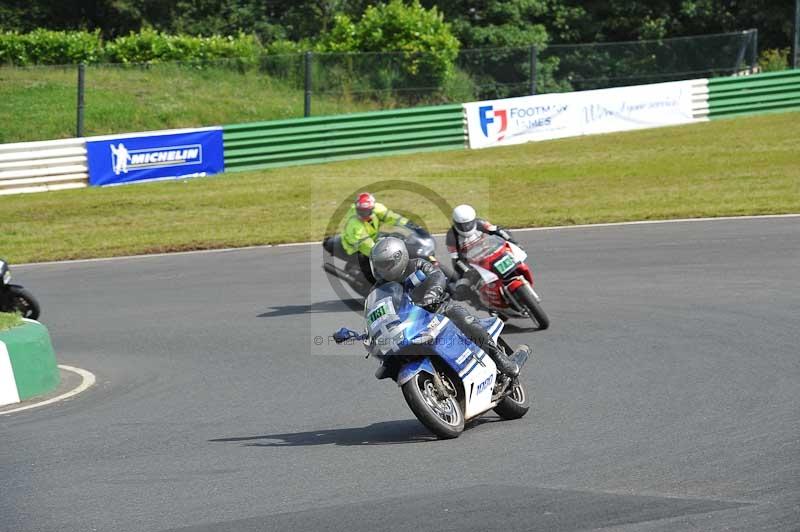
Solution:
(667, 397)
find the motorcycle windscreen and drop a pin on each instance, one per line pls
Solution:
(419, 247)
(483, 246)
(384, 323)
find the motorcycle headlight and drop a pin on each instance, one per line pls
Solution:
(7, 277)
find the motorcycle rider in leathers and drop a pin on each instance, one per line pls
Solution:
(466, 229)
(390, 263)
(364, 221)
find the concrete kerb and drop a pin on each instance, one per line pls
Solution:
(28, 365)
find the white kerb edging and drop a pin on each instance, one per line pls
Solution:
(8, 385)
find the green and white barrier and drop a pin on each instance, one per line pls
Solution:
(340, 137)
(41, 166)
(27, 363)
(53, 165)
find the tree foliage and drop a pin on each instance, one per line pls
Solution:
(476, 23)
(425, 45)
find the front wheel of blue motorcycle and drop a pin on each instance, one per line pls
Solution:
(442, 416)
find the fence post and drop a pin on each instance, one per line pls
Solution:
(81, 90)
(737, 69)
(533, 70)
(307, 105)
(796, 38)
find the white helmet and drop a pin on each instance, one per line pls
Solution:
(464, 219)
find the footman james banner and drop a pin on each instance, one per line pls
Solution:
(173, 154)
(552, 116)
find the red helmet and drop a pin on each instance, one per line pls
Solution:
(365, 202)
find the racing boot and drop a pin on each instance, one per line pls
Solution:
(327, 244)
(507, 380)
(506, 365)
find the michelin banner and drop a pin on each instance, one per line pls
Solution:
(173, 154)
(552, 116)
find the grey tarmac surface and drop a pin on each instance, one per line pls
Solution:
(667, 397)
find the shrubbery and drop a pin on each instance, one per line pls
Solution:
(44, 47)
(150, 46)
(427, 45)
(774, 59)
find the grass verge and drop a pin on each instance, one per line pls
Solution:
(9, 320)
(734, 167)
(39, 103)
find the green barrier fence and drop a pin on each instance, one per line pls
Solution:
(330, 138)
(761, 93)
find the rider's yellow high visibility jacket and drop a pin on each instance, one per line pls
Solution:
(359, 235)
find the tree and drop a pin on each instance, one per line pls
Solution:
(425, 46)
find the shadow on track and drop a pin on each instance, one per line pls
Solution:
(510, 328)
(383, 433)
(332, 305)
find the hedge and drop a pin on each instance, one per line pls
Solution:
(45, 47)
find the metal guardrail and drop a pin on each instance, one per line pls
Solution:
(761, 93)
(331, 138)
(40, 166)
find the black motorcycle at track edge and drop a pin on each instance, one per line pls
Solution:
(15, 298)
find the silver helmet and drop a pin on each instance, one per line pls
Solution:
(389, 258)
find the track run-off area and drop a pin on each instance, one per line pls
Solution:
(666, 396)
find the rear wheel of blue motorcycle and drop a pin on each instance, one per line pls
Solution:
(515, 405)
(442, 417)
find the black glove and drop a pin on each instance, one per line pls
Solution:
(432, 297)
(505, 235)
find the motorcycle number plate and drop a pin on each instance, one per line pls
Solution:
(505, 264)
(382, 312)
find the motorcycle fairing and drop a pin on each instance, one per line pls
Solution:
(409, 370)
(519, 253)
(394, 322)
(487, 276)
(478, 387)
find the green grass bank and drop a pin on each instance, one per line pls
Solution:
(40, 103)
(723, 168)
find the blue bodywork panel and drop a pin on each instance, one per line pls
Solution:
(394, 321)
(408, 371)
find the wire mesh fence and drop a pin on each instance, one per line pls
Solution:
(41, 102)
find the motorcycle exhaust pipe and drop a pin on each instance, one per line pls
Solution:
(336, 272)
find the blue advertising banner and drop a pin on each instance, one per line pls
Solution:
(136, 157)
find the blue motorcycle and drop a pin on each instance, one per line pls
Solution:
(446, 379)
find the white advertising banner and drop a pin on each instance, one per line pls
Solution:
(552, 116)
